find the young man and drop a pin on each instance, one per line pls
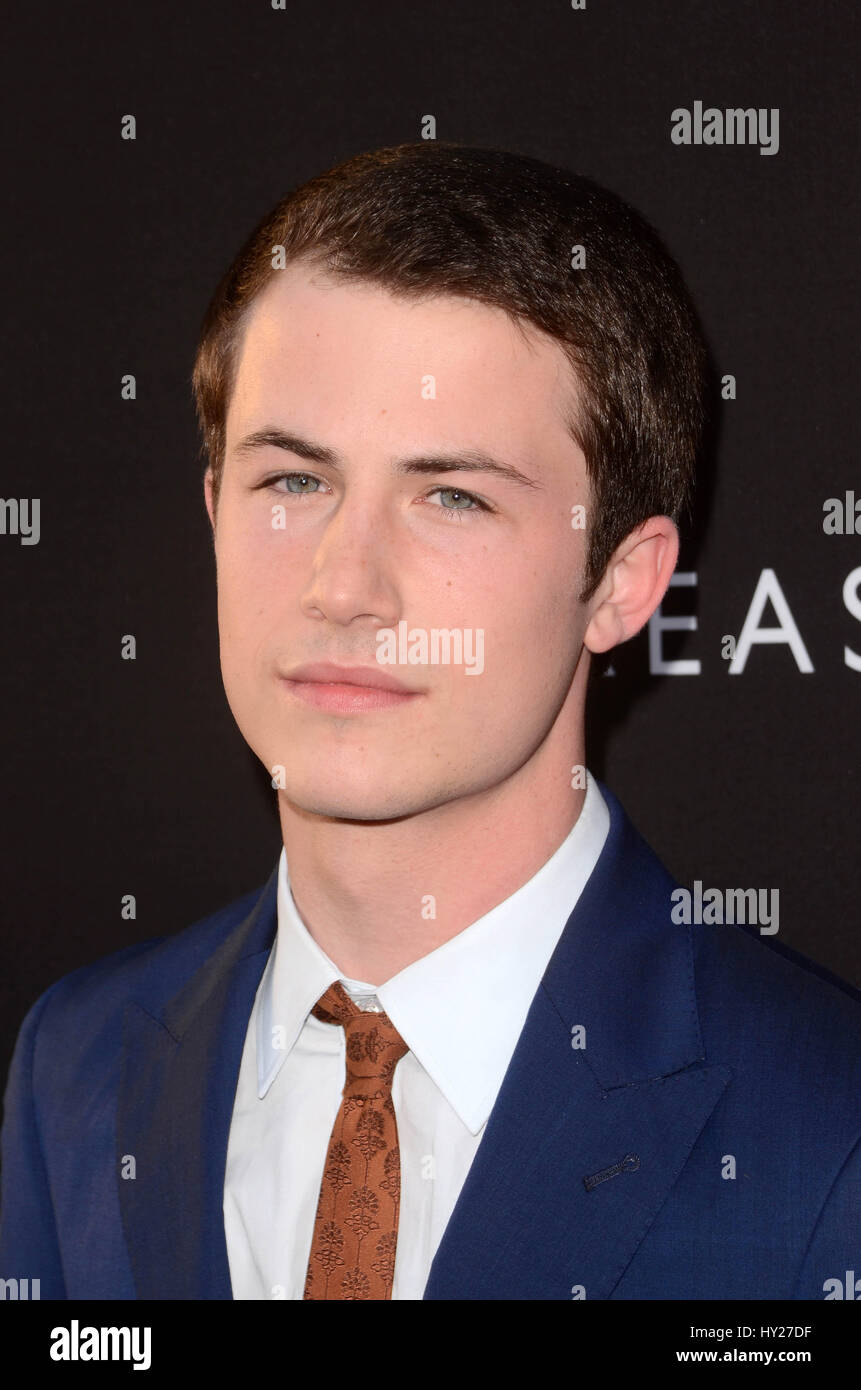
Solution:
(457, 1047)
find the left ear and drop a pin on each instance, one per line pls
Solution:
(634, 583)
(209, 496)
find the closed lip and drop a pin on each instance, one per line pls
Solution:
(325, 673)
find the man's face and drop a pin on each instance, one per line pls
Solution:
(311, 569)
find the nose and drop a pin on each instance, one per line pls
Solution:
(353, 567)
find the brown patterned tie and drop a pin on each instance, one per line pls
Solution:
(356, 1226)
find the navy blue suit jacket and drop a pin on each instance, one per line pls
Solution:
(703, 1044)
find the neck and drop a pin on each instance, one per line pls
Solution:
(378, 896)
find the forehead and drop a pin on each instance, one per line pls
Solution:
(319, 346)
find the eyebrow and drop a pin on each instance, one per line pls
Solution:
(465, 461)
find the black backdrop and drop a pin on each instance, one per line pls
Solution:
(129, 776)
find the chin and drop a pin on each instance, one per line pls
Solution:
(363, 805)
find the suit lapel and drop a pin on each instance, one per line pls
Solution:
(180, 1069)
(526, 1225)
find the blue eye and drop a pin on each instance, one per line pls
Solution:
(476, 502)
(300, 478)
(307, 484)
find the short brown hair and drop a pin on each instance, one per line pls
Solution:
(442, 218)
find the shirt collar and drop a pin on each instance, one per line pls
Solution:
(462, 1007)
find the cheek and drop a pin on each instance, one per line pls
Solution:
(535, 626)
(243, 624)
(253, 572)
(534, 600)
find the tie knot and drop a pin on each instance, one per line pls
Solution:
(374, 1045)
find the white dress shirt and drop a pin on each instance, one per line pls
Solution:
(460, 1010)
